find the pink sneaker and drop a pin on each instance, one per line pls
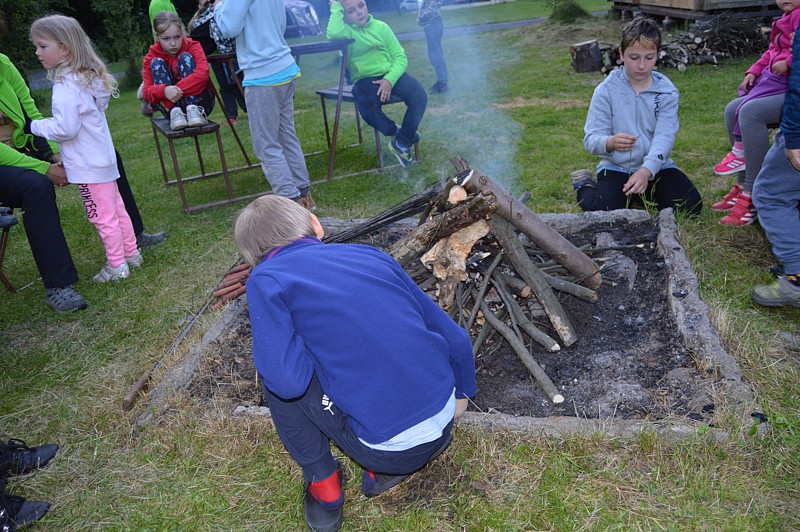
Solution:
(743, 213)
(730, 165)
(728, 200)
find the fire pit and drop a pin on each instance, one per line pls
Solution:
(642, 355)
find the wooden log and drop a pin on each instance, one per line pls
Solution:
(463, 215)
(502, 230)
(547, 238)
(519, 348)
(522, 320)
(586, 56)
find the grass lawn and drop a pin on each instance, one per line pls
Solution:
(515, 111)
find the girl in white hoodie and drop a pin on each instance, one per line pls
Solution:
(82, 88)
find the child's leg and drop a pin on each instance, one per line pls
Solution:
(414, 96)
(433, 37)
(287, 136)
(608, 194)
(186, 67)
(306, 426)
(129, 245)
(265, 105)
(127, 196)
(672, 188)
(754, 117)
(99, 200)
(159, 70)
(369, 105)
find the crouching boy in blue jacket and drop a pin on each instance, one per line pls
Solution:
(349, 350)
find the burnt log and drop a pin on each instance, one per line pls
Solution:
(544, 236)
(478, 207)
(502, 230)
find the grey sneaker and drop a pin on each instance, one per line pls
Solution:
(195, 116)
(145, 240)
(135, 260)
(177, 120)
(64, 299)
(108, 273)
(583, 178)
(780, 293)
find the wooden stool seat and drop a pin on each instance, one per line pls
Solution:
(161, 127)
(332, 93)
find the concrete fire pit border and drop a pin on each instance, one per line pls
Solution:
(690, 312)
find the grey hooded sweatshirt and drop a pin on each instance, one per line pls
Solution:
(651, 116)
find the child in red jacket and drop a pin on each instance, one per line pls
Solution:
(175, 74)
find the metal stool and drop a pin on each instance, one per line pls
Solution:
(161, 126)
(7, 221)
(332, 93)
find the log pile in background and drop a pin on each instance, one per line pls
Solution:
(705, 42)
(467, 255)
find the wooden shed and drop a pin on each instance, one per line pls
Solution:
(696, 9)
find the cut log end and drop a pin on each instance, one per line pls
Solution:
(558, 399)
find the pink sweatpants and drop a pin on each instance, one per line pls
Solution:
(106, 211)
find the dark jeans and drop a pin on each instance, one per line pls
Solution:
(307, 425)
(670, 188)
(127, 198)
(228, 89)
(35, 195)
(433, 36)
(408, 90)
(159, 69)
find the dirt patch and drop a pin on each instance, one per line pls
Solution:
(630, 361)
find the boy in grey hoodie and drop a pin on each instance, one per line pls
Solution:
(631, 125)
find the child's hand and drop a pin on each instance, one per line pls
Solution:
(747, 84)
(461, 407)
(780, 68)
(794, 158)
(620, 142)
(637, 183)
(173, 93)
(384, 89)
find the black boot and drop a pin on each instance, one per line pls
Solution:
(16, 511)
(16, 458)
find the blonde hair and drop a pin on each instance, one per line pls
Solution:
(82, 58)
(269, 222)
(164, 19)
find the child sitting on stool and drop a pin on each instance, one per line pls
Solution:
(377, 64)
(351, 350)
(175, 75)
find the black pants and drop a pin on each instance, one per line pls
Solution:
(34, 194)
(670, 188)
(409, 90)
(228, 89)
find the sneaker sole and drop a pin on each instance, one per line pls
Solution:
(774, 302)
(721, 209)
(729, 172)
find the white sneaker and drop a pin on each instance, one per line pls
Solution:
(196, 116)
(108, 273)
(177, 120)
(135, 260)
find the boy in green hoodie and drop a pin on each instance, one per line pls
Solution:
(377, 64)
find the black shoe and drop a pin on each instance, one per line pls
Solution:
(64, 299)
(16, 511)
(439, 87)
(381, 483)
(25, 459)
(145, 240)
(7, 220)
(318, 519)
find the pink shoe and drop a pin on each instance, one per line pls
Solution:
(728, 200)
(730, 165)
(743, 213)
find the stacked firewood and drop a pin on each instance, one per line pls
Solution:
(705, 42)
(482, 271)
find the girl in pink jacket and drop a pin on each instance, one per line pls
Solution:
(749, 116)
(82, 88)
